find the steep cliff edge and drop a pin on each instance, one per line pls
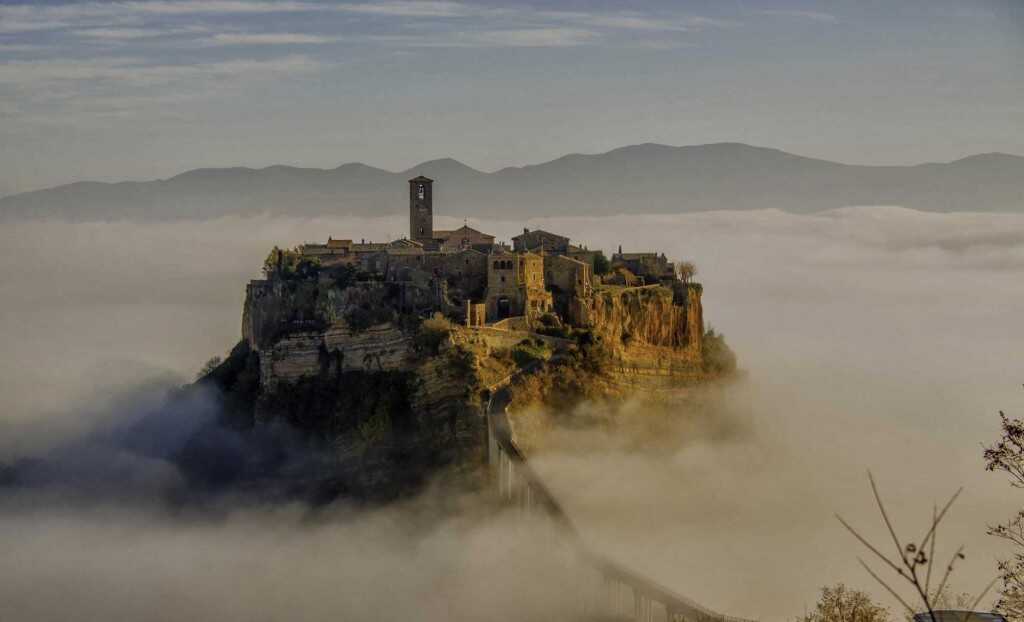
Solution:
(386, 399)
(652, 335)
(647, 357)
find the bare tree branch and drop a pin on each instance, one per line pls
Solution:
(871, 548)
(886, 586)
(885, 517)
(949, 568)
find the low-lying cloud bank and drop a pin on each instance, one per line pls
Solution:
(277, 564)
(874, 338)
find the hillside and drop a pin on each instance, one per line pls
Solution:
(646, 178)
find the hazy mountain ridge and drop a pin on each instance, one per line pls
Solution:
(645, 178)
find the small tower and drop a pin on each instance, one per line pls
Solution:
(421, 209)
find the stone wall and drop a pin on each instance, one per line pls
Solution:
(499, 338)
(571, 282)
(517, 278)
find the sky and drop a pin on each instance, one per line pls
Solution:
(149, 89)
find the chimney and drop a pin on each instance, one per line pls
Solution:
(525, 230)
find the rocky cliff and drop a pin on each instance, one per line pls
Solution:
(654, 334)
(387, 400)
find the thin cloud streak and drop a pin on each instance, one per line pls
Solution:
(519, 38)
(134, 34)
(414, 9)
(270, 38)
(814, 16)
(136, 71)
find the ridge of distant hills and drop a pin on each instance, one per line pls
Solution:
(647, 178)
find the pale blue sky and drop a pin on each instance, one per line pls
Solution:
(136, 90)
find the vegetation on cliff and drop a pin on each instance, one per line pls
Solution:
(718, 357)
(237, 380)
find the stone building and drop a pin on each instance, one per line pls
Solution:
(462, 238)
(570, 282)
(333, 253)
(515, 285)
(584, 254)
(421, 209)
(463, 271)
(540, 240)
(652, 267)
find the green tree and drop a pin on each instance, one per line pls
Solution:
(601, 265)
(432, 333)
(289, 264)
(1007, 456)
(842, 604)
(718, 357)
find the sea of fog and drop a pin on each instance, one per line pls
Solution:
(871, 338)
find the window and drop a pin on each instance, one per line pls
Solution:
(502, 279)
(420, 192)
(497, 265)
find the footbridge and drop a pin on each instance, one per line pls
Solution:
(606, 589)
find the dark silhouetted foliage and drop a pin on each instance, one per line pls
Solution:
(1007, 455)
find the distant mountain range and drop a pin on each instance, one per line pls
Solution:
(648, 178)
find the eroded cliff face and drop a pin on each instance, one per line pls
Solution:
(387, 409)
(653, 333)
(642, 368)
(387, 403)
(652, 315)
(383, 347)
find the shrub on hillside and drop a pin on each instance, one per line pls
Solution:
(365, 315)
(530, 351)
(431, 334)
(718, 356)
(290, 264)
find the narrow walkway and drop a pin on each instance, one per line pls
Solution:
(620, 593)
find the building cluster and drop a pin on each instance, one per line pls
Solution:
(466, 269)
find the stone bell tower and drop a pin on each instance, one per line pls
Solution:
(421, 209)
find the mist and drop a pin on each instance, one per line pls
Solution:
(872, 337)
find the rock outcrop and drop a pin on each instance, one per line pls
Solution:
(388, 398)
(383, 347)
(654, 334)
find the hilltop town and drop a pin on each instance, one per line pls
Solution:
(387, 352)
(464, 273)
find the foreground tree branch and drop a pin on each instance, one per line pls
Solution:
(914, 560)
